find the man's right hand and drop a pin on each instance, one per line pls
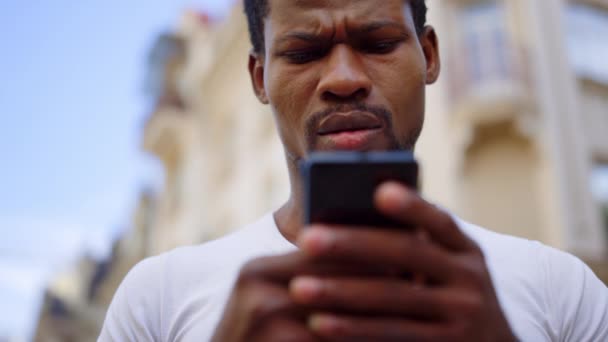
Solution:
(260, 307)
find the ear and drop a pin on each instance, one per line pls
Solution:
(430, 47)
(256, 72)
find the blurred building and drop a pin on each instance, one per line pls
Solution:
(224, 165)
(219, 152)
(77, 299)
(516, 130)
(515, 138)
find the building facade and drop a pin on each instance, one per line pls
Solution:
(223, 162)
(516, 130)
(515, 137)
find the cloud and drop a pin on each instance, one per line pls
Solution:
(21, 294)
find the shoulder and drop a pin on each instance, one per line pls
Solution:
(533, 261)
(192, 263)
(232, 250)
(191, 266)
(554, 288)
(509, 253)
(134, 312)
(209, 257)
(157, 289)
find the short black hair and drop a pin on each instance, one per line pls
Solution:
(257, 10)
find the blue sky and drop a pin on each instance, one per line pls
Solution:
(72, 109)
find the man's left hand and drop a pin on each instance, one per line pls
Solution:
(455, 302)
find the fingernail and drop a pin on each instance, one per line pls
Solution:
(315, 241)
(305, 288)
(322, 323)
(392, 196)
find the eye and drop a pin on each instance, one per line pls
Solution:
(380, 47)
(303, 56)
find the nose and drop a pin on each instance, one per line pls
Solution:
(344, 77)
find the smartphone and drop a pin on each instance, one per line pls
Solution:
(339, 187)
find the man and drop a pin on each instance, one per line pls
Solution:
(351, 75)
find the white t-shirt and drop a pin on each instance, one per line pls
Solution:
(547, 295)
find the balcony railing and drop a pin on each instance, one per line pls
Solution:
(486, 66)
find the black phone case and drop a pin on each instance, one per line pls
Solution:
(339, 187)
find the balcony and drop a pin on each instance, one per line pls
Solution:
(488, 79)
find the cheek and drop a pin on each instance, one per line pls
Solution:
(289, 93)
(405, 93)
(411, 117)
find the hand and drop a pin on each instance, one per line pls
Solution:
(456, 303)
(260, 307)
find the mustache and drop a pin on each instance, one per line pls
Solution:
(313, 122)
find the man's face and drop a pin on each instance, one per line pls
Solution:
(345, 74)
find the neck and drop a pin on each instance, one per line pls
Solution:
(289, 217)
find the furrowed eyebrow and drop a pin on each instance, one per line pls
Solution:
(376, 25)
(363, 29)
(308, 37)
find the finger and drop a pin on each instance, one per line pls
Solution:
(386, 248)
(262, 301)
(253, 306)
(275, 268)
(404, 205)
(386, 297)
(281, 269)
(351, 328)
(284, 329)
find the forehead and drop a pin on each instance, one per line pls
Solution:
(315, 14)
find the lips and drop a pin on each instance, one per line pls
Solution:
(350, 131)
(349, 122)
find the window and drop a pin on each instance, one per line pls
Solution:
(587, 29)
(485, 36)
(483, 55)
(599, 187)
